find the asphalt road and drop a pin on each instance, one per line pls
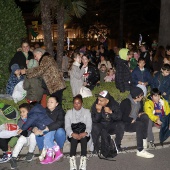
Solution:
(124, 161)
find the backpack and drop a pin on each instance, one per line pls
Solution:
(106, 147)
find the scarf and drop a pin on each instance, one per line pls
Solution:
(135, 107)
(76, 64)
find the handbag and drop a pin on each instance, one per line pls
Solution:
(78, 127)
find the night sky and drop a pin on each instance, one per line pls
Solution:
(140, 16)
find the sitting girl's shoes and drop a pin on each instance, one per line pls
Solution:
(73, 165)
(58, 155)
(49, 157)
(82, 163)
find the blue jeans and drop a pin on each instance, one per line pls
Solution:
(49, 140)
(59, 137)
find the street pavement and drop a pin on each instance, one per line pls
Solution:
(124, 161)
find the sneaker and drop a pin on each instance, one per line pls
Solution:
(29, 157)
(43, 154)
(5, 157)
(13, 163)
(145, 144)
(82, 163)
(73, 165)
(152, 145)
(144, 154)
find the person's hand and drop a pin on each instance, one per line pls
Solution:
(85, 84)
(75, 136)
(82, 135)
(164, 94)
(27, 61)
(139, 82)
(139, 115)
(85, 65)
(159, 122)
(46, 128)
(19, 131)
(98, 108)
(146, 83)
(108, 110)
(23, 71)
(37, 131)
(158, 111)
(133, 121)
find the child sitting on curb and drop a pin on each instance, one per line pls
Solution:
(155, 107)
(27, 138)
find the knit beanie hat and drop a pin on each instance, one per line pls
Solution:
(123, 53)
(32, 63)
(8, 111)
(39, 50)
(104, 94)
(135, 92)
(15, 67)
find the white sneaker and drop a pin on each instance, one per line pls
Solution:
(145, 144)
(43, 154)
(82, 163)
(144, 154)
(73, 165)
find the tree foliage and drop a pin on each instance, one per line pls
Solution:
(12, 29)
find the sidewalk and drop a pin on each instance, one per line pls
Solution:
(128, 142)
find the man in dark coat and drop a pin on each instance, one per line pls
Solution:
(106, 115)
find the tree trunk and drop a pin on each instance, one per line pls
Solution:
(60, 38)
(46, 25)
(164, 33)
(121, 24)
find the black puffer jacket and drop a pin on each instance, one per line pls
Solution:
(93, 77)
(123, 78)
(20, 59)
(57, 115)
(102, 116)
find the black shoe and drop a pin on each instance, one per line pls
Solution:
(13, 163)
(152, 145)
(29, 157)
(119, 148)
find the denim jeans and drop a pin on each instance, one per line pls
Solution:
(59, 137)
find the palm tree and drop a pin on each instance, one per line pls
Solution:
(63, 10)
(164, 33)
(46, 24)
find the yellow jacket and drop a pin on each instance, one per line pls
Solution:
(149, 108)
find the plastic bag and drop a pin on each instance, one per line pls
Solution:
(19, 93)
(85, 92)
(8, 134)
(143, 88)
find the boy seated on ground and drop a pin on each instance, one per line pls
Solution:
(155, 107)
(161, 81)
(135, 120)
(27, 138)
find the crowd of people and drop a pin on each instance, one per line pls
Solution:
(144, 72)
